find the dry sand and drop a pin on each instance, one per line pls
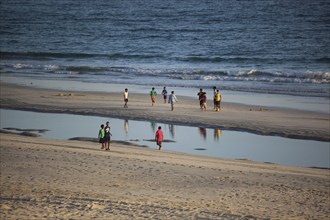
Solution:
(43, 178)
(47, 179)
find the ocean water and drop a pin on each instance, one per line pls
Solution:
(263, 46)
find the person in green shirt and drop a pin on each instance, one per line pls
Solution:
(101, 136)
(153, 95)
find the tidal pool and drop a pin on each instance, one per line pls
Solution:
(192, 140)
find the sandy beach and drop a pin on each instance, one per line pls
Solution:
(238, 117)
(48, 179)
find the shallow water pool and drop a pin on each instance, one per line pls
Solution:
(192, 140)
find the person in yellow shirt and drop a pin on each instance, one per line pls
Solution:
(217, 98)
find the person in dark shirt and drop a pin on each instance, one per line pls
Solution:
(107, 136)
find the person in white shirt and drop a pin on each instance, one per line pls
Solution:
(172, 100)
(126, 98)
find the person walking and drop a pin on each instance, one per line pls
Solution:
(107, 136)
(217, 100)
(164, 93)
(200, 97)
(172, 99)
(126, 98)
(159, 137)
(153, 95)
(214, 99)
(203, 101)
(101, 136)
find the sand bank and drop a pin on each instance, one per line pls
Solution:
(42, 178)
(255, 119)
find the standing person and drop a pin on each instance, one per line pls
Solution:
(159, 137)
(164, 93)
(126, 98)
(217, 101)
(200, 97)
(172, 100)
(153, 95)
(107, 135)
(214, 99)
(101, 136)
(204, 102)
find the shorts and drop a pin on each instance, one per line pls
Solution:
(153, 99)
(217, 103)
(165, 97)
(102, 140)
(126, 100)
(107, 139)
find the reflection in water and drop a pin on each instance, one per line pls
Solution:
(233, 144)
(202, 132)
(217, 134)
(153, 126)
(172, 130)
(126, 127)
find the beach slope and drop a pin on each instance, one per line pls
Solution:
(42, 178)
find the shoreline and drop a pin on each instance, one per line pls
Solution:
(75, 178)
(267, 100)
(235, 117)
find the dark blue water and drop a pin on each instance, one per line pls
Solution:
(269, 46)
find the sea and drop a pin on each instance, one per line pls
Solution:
(276, 47)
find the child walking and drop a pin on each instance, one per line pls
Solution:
(153, 95)
(164, 93)
(159, 137)
(172, 100)
(107, 136)
(101, 136)
(126, 98)
(217, 98)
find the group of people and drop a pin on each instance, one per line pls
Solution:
(216, 99)
(172, 99)
(105, 135)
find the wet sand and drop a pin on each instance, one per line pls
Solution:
(45, 179)
(42, 178)
(255, 119)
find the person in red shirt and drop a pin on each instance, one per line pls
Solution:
(159, 137)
